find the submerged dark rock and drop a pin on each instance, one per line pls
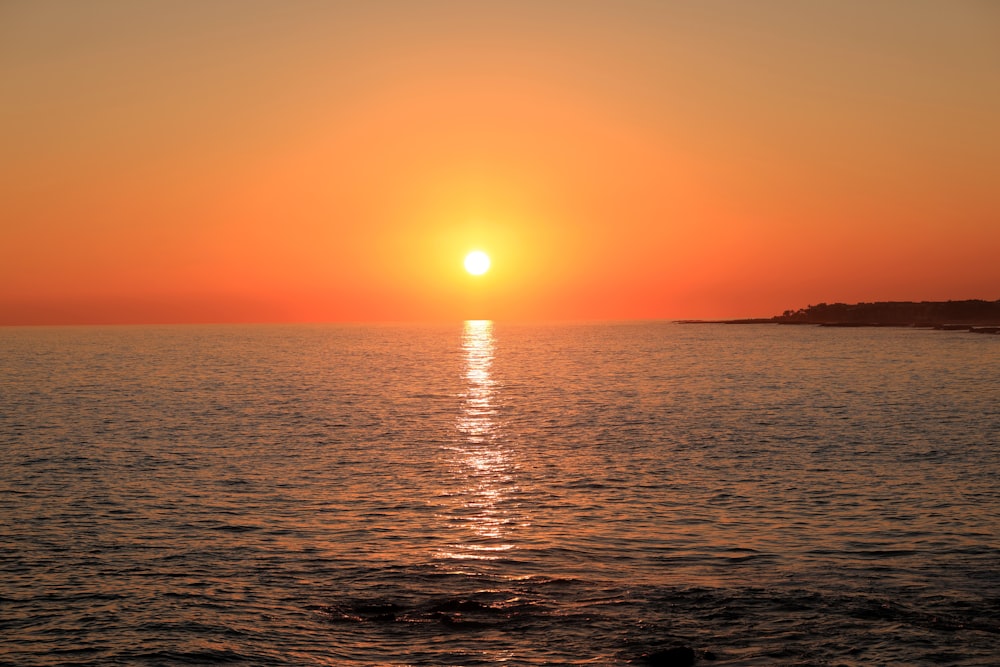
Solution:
(678, 656)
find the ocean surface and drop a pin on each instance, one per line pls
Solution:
(483, 494)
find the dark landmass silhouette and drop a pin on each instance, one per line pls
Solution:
(974, 315)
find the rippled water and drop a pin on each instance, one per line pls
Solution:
(484, 494)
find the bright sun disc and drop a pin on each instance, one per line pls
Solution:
(477, 263)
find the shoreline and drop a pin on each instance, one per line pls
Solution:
(971, 315)
(969, 328)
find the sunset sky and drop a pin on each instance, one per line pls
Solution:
(245, 161)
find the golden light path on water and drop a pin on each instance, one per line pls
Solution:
(482, 469)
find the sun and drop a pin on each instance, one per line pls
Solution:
(477, 262)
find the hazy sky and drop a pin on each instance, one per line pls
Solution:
(328, 161)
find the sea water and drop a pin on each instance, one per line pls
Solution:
(481, 494)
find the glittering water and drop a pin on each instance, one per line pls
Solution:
(483, 494)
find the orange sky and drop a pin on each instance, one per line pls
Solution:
(308, 161)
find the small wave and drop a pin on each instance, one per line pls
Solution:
(236, 528)
(484, 608)
(194, 657)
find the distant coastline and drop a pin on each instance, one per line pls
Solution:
(974, 315)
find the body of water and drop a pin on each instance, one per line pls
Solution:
(484, 494)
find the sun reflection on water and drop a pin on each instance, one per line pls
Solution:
(481, 503)
(477, 421)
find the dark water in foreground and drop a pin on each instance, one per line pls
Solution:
(498, 494)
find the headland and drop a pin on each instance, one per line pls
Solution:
(974, 315)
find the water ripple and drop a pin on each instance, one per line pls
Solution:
(497, 494)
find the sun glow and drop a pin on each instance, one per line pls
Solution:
(477, 263)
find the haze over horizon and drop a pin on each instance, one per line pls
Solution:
(310, 162)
